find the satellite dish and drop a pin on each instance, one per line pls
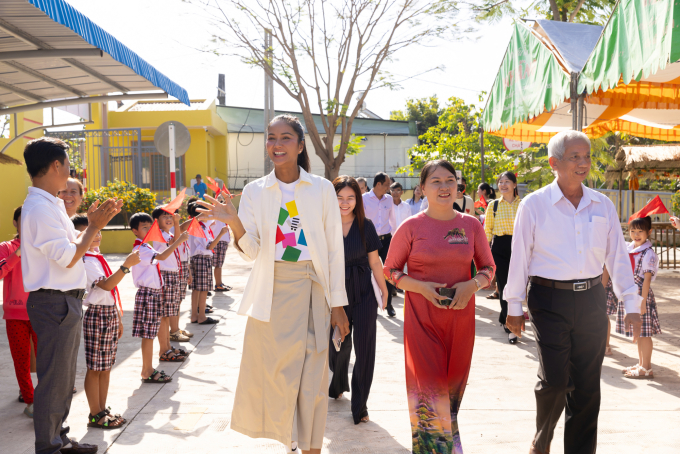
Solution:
(162, 142)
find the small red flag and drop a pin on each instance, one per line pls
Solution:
(154, 234)
(213, 187)
(210, 179)
(225, 190)
(176, 202)
(481, 203)
(195, 229)
(654, 206)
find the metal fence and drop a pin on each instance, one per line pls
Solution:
(665, 239)
(633, 201)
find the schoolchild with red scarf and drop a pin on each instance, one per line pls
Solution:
(147, 278)
(201, 250)
(19, 330)
(102, 327)
(170, 272)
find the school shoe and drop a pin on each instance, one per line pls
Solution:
(390, 311)
(512, 338)
(179, 337)
(187, 333)
(293, 447)
(79, 448)
(28, 411)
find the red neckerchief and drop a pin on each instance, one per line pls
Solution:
(176, 252)
(108, 273)
(158, 266)
(208, 229)
(632, 259)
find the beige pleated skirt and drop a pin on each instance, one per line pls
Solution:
(282, 391)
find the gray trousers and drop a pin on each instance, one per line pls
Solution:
(56, 319)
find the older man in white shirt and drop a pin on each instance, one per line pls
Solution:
(563, 236)
(379, 208)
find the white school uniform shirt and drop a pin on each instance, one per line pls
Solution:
(172, 262)
(650, 262)
(416, 207)
(553, 240)
(402, 212)
(216, 227)
(47, 248)
(95, 295)
(380, 212)
(199, 246)
(291, 241)
(184, 251)
(147, 273)
(259, 212)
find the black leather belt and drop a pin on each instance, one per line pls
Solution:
(577, 286)
(77, 293)
(384, 237)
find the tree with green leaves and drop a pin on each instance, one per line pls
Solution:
(326, 52)
(594, 12)
(456, 138)
(424, 112)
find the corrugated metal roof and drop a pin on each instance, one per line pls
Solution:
(252, 120)
(29, 25)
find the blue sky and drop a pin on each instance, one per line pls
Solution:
(167, 33)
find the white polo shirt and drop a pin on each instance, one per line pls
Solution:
(198, 246)
(146, 273)
(172, 262)
(95, 273)
(47, 248)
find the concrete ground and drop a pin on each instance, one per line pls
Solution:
(192, 414)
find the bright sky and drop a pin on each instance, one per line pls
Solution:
(167, 33)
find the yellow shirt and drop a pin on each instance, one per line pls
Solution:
(502, 223)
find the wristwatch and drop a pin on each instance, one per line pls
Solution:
(125, 270)
(477, 284)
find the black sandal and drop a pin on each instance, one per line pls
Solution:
(182, 352)
(162, 378)
(175, 358)
(118, 416)
(209, 321)
(109, 421)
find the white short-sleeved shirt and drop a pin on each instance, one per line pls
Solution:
(184, 251)
(650, 262)
(216, 227)
(95, 273)
(199, 246)
(291, 242)
(146, 273)
(172, 262)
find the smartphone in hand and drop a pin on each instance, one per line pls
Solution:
(337, 339)
(449, 293)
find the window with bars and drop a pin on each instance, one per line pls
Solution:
(156, 169)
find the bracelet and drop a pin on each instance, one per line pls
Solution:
(479, 286)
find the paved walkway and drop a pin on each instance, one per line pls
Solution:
(191, 415)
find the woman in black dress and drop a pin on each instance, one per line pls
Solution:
(361, 258)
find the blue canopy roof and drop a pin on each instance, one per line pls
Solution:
(63, 13)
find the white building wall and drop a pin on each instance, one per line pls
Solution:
(246, 157)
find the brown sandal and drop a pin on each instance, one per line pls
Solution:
(172, 356)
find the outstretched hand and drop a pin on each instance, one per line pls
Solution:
(212, 209)
(99, 216)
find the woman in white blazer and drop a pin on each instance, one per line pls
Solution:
(288, 222)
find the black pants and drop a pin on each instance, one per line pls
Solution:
(571, 333)
(382, 252)
(501, 249)
(362, 327)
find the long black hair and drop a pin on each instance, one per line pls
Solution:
(294, 122)
(510, 176)
(486, 187)
(344, 181)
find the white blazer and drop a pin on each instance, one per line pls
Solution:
(318, 206)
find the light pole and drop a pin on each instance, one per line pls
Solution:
(384, 134)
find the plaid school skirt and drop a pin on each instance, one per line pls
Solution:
(612, 301)
(202, 273)
(650, 320)
(170, 294)
(146, 319)
(219, 253)
(100, 330)
(183, 280)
